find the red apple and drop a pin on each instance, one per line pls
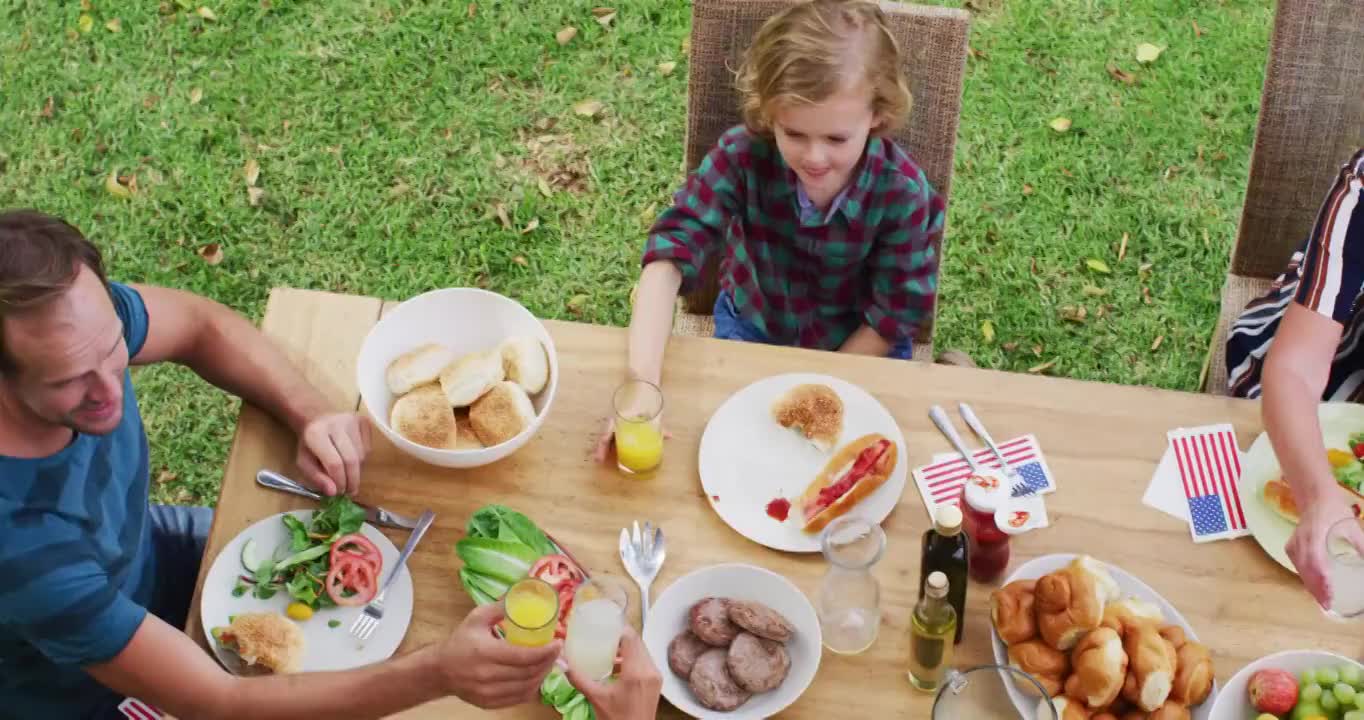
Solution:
(1273, 691)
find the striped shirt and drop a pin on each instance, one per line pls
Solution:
(75, 556)
(801, 276)
(1326, 276)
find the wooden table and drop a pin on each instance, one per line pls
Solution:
(1102, 442)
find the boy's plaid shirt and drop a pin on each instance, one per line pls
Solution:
(808, 279)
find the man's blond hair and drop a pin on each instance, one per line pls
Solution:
(812, 50)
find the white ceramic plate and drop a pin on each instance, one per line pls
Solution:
(668, 618)
(1130, 587)
(1233, 703)
(747, 460)
(1259, 466)
(326, 648)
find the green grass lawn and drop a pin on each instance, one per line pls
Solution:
(410, 144)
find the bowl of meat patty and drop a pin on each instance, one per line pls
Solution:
(737, 640)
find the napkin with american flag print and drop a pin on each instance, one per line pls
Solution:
(941, 481)
(138, 710)
(1209, 463)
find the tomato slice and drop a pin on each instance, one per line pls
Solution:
(358, 546)
(556, 570)
(354, 574)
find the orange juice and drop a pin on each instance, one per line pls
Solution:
(639, 445)
(532, 609)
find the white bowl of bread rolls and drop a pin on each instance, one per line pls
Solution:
(1102, 643)
(458, 377)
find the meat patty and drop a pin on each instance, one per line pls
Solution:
(682, 653)
(757, 664)
(760, 620)
(712, 685)
(709, 620)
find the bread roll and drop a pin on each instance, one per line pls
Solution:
(269, 640)
(525, 363)
(1151, 663)
(501, 414)
(1069, 604)
(1011, 610)
(1067, 708)
(417, 367)
(1169, 711)
(1100, 668)
(470, 377)
(1174, 634)
(424, 417)
(1047, 665)
(813, 411)
(1193, 675)
(1108, 587)
(1132, 610)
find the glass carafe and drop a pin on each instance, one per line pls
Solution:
(849, 602)
(982, 693)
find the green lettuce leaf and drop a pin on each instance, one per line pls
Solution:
(298, 533)
(497, 559)
(339, 515)
(499, 522)
(1350, 476)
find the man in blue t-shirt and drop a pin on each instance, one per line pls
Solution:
(95, 583)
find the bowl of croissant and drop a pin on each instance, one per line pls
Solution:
(1101, 643)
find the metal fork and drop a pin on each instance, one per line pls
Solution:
(978, 428)
(369, 620)
(642, 554)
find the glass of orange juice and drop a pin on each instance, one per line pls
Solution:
(639, 428)
(532, 609)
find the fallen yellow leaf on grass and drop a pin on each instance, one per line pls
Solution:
(1122, 76)
(116, 188)
(1098, 266)
(212, 253)
(473, 9)
(566, 35)
(530, 226)
(1093, 291)
(1060, 124)
(195, 95)
(1036, 369)
(1122, 249)
(254, 195)
(588, 108)
(1156, 345)
(87, 6)
(206, 14)
(987, 331)
(604, 16)
(1071, 313)
(502, 216)
(114, 25)
(576, 303)
(666, 68)
(520, 260)
(86, 23)
(544, 187)
(1147, 53)
(165, 476)
(251, 171)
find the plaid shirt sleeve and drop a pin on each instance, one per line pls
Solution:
(904, 263)
(694, 226)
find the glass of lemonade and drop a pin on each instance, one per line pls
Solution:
(595, 625)
(1345, 569)
(639, 429)
(532, 609)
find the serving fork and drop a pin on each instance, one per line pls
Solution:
(368, 621)
(642, 554)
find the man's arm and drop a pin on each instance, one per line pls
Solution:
(866, 341)
(225, 349)
(162, 666)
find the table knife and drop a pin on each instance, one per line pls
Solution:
(375, 515)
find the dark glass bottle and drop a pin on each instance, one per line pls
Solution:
(944, 551)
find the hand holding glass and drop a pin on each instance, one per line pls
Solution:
(1345, 569)
(595, 624)
(532, 609)
(639, 431)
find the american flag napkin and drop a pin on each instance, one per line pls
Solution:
(138, 710)
(941, 481)
(1209, 462)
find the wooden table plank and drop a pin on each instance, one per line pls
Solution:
(1102, 442)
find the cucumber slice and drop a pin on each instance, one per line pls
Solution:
(249, 559)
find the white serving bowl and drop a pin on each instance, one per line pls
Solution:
(1233, 703)
(465, 320)
(668, 617)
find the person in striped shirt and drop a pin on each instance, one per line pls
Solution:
(1300, 344)
(827, 231)
(96, 581)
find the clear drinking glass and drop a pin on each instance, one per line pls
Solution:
(639, 429)
(595, 624)
(980, 693)
(532, 610)
(1345, 569)
(849, 602)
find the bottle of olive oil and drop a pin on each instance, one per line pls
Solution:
(944, 551)
(931, 630)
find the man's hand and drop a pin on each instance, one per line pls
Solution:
(492, 673)
(634, 694)
(1307, 546)
(330, 450)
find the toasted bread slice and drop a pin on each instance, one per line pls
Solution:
(268, 640)
(852, 474)
(814, 411)
(469, 377)
(501, 414)
(417, 367)
(525, 363)
(424, 416)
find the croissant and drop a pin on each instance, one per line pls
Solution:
(1011, 610)
(1118, 615)
(1151, 664)
(1100, 668)
(1046, 664)
(1067, 708)
(1170, 711)
(1175, 635)
(1069, 604)
(1108, 587)
(1194, 675)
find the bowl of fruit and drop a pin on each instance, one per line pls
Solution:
(1294, 685)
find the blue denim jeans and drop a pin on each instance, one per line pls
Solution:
(729, 326)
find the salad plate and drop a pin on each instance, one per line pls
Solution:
(328, 644)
